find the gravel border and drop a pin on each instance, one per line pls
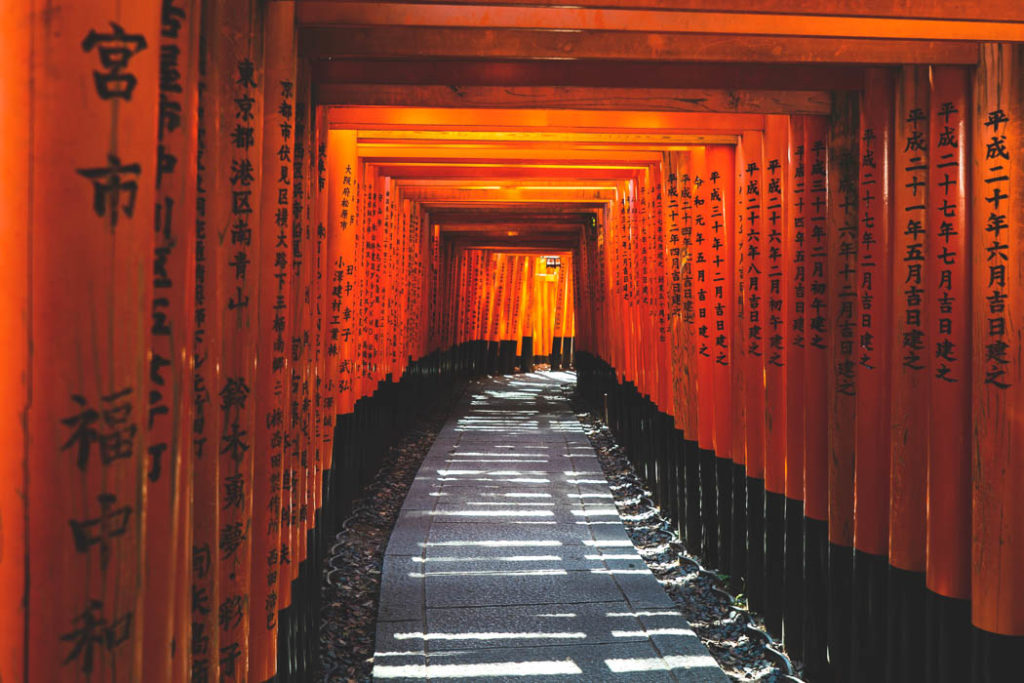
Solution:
(350, 587)
(735, 636)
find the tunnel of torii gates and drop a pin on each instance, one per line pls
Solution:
(242, 241)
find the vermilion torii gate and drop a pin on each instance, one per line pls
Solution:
(237, 237)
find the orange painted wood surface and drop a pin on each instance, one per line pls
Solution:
(92, 163)
(873, 328)
(754, 264)
(952, 229)
(997, 598)
(842, 230)
(775, 251)
(817, 333)
(911, 341)
(795, 284)
(15, 238)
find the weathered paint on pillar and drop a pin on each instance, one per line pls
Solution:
(167, 606)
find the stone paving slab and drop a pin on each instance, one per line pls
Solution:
(508, 560)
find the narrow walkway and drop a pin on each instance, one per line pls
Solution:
(508, 559)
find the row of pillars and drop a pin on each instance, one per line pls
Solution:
(514, 310)
(827, 315)
(215, 315)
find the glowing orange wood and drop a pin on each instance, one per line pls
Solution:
(89, 181)
(952, 26)
(15, 43)
(556, 97)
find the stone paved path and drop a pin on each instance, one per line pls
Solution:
(508, 560)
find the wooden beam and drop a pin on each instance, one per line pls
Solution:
(953, 26)
(537, 242)
(511, 205)
(543, 138)
(529, 175)
(552, 121)
(390, 42)
(506, 156)
(557, 97)
(488, 195)
(989, 10)
(535, 214)
(523, 226)
(593, 74)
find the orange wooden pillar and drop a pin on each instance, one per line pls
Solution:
(509, 340)
(558, 315)
(775, 251)
(204, 641)
(523, 274)
(15, 41)
(756, 318)
(342, 289)
(842, 231)
(721, 196)
(86, 180)
(795, 284)
(272, 369)
(703, 342)
(816, 408)
(872, 346)
(997, 387)
(738, 275)
(698, 515)
(673, 299)
(169, 485)
(529, 314)
(947, 309)
(235, 86)
(910, 349)
(569, 319)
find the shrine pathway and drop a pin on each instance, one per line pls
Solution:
(509, 562)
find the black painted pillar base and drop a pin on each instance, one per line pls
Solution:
(947, 629)
(527, 355)
(664, 457)
(870, 578)
(694, 523)
(723, 477)
(994, 657)
(840, 607)
(905, 624)
(755, 544)
(774, 560)
(816, 599)
(568, 353)
(738, 541)
(708, 506)
(793, 612)
(508, 356)
(493, 356)
(556, 353)
(677, 476)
